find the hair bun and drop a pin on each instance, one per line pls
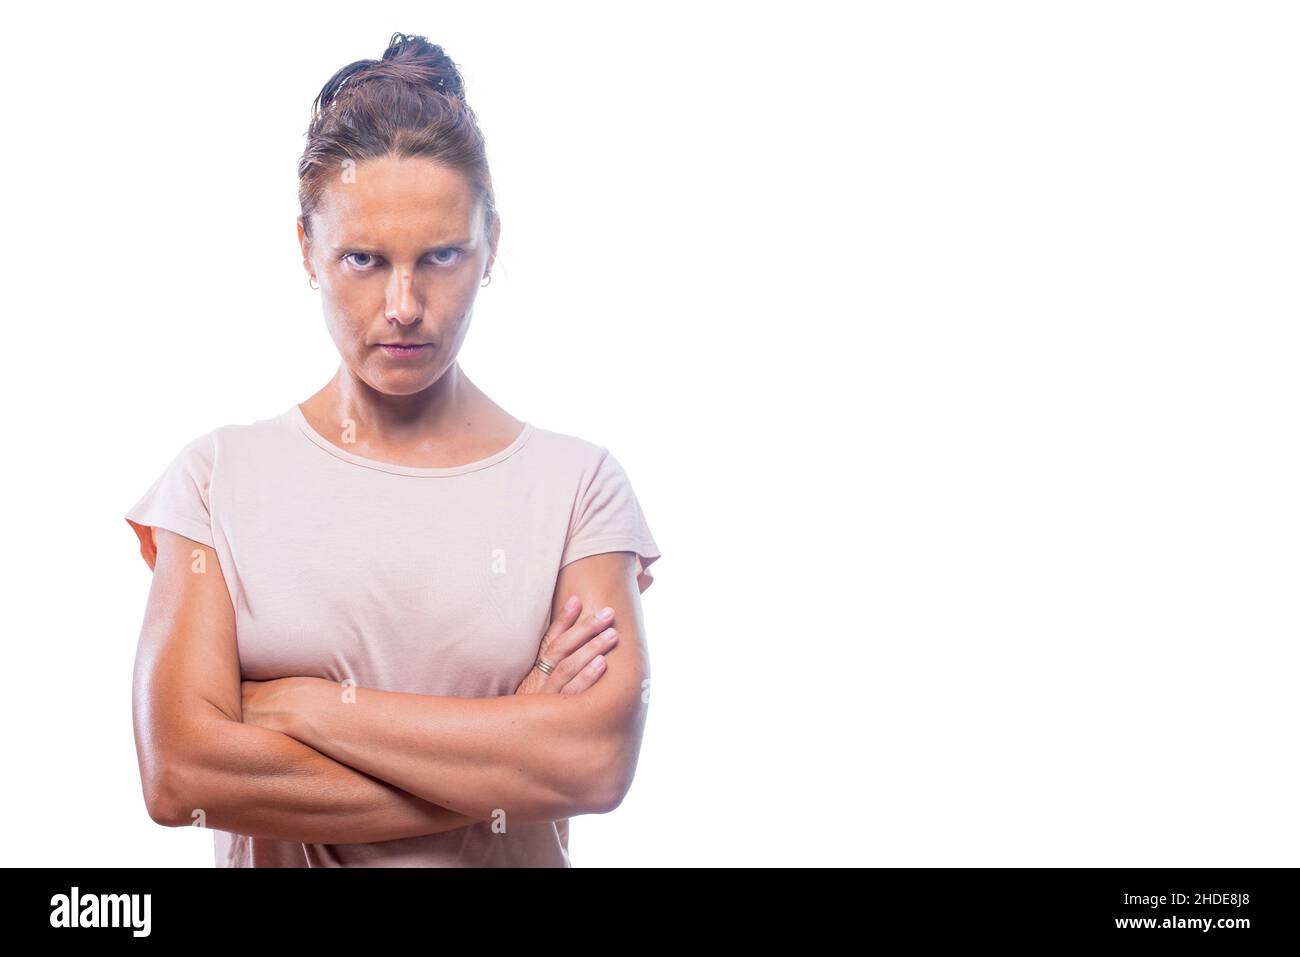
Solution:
(408, 59)
(416, 60)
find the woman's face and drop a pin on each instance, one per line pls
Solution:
(399, 249)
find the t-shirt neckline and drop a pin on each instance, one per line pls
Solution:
(295, 412)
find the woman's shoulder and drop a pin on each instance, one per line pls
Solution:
(588, 460)
(248, 438)
(566, 447)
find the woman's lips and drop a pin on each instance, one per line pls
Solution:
(406, 352)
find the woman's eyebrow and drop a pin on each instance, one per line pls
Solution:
(364, 246)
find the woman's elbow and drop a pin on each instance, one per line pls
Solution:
(614, 776)
(592, 782)
(161, 799)
(166, 779)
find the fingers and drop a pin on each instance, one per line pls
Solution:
(578, 634)
(573, 643)
(586, 677)
(582, 669)
(562, 623)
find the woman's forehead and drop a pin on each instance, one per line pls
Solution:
(437, 209)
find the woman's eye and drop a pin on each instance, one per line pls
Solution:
(454, 253)
(441, 257)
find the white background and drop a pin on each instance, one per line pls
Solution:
(951, 349)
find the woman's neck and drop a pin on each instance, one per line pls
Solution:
(447, 418)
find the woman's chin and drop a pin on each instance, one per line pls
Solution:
(402, 381)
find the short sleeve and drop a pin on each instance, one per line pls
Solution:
(607, 518)
(177, 500)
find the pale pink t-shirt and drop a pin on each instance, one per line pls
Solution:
(432, 581)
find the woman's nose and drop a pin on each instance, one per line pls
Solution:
(402, 305)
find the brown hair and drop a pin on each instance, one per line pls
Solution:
(410, 103)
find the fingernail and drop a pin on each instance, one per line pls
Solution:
(572, 603)
(606, 613)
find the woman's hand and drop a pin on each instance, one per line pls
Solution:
(573, 648)
(270, 704)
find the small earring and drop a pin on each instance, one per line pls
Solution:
(488, 283)
(312, 282)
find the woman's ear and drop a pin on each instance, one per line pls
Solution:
(304, 243)
(494, 238)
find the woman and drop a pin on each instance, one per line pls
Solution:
(346, 658)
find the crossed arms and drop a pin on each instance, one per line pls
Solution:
(389, 764)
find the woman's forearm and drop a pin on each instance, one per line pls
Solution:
(255, 781)
(522, 758)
